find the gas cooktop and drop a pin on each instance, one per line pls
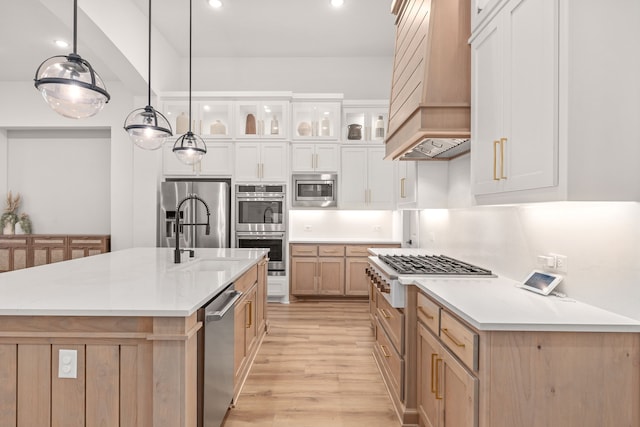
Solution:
(432, 265)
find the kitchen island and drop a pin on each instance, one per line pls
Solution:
(132, 316)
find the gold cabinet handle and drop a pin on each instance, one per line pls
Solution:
(384, 351)
(503, 141)
(385, 313)
(247, 324)
(402, 195)
(452, 338)
(438, 395)
(427, 315)
(495, 156)
(434, 386)
(250, 313)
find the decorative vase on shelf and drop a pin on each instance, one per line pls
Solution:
(218, 128)
(250, 125)
(182, 123)
(18, 229)
(380, 127)
(325, 127)
(275, 128)
(304, 129)
(9, 228)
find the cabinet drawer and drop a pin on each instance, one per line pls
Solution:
(304, 250)
(331, 250)
(244, 282)
(357, 251)
(460, 339)
(428, 313)
(391, 360)
(392, 320)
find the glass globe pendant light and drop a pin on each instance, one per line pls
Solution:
(147, 127)
(190, 148)
(69, 84)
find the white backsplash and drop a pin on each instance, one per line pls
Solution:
(601, 241)
(343, 225)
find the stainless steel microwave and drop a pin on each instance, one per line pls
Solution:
(315, 190)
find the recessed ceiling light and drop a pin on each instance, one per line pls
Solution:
(61, 43)
(215, 3)
(337, 3)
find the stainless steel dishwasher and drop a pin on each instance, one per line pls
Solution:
(218, 357)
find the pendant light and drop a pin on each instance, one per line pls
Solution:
(147, 127)
(190, 148)
(69, 84)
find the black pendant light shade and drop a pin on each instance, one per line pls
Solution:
(147, 127)
(190, 148)
(69, 84)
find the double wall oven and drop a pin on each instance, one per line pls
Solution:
(261, 222)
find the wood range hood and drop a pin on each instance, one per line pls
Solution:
(430, 107)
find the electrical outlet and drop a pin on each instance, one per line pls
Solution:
(68, 363)
(561, 262)
(307, 228)
(377, 228)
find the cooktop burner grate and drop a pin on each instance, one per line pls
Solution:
(432, 264)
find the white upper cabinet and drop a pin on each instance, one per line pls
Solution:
(515, 88)
(321, 157)
(555, 105)
(209, 118)
(261, 161)
(315, 119)
(217, 162)
(262, 119)
(366, 180)
(422, 185)
(364, 121)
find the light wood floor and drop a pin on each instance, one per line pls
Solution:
(315, 369)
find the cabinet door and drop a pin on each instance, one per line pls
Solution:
(247, 162)
(47, 250)
(353, 177)
(302, 157)
(170, 163)
(531, 103)
(487, 112)
(330, 276)
(218, 160)
(274, 162)
(251, 330)
(261, 301)
(428, 405)
(357, 282)
(240, 321)
(380, 177)
(459, 404)
(407, 180)
(303, 275)
(327, 159)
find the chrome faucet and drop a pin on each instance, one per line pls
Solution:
(207, 230)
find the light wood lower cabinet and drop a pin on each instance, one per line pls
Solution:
(471, 378)
(29, 250)
(330, 269)
(447, 391)
(250, 322)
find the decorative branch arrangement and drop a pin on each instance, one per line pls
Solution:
(10, 217)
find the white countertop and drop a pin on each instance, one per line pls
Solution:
(131, 282)
(496, 303)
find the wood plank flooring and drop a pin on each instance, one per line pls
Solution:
(315, 369)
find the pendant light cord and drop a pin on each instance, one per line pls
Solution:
(149, 79)
(190, 31)
(75, 26)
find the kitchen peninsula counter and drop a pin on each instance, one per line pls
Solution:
(133, 318)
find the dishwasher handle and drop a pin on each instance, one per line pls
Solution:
(233, 296)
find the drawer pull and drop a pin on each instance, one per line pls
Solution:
(452, 338)
(427, 315)
(385, 313)
(434, 356)
(384, 351)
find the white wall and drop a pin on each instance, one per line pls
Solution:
(343, 225)
(63, 177)
(600, 239)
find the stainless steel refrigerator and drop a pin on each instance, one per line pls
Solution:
(217, 195)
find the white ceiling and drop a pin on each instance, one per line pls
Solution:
(241, 28)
